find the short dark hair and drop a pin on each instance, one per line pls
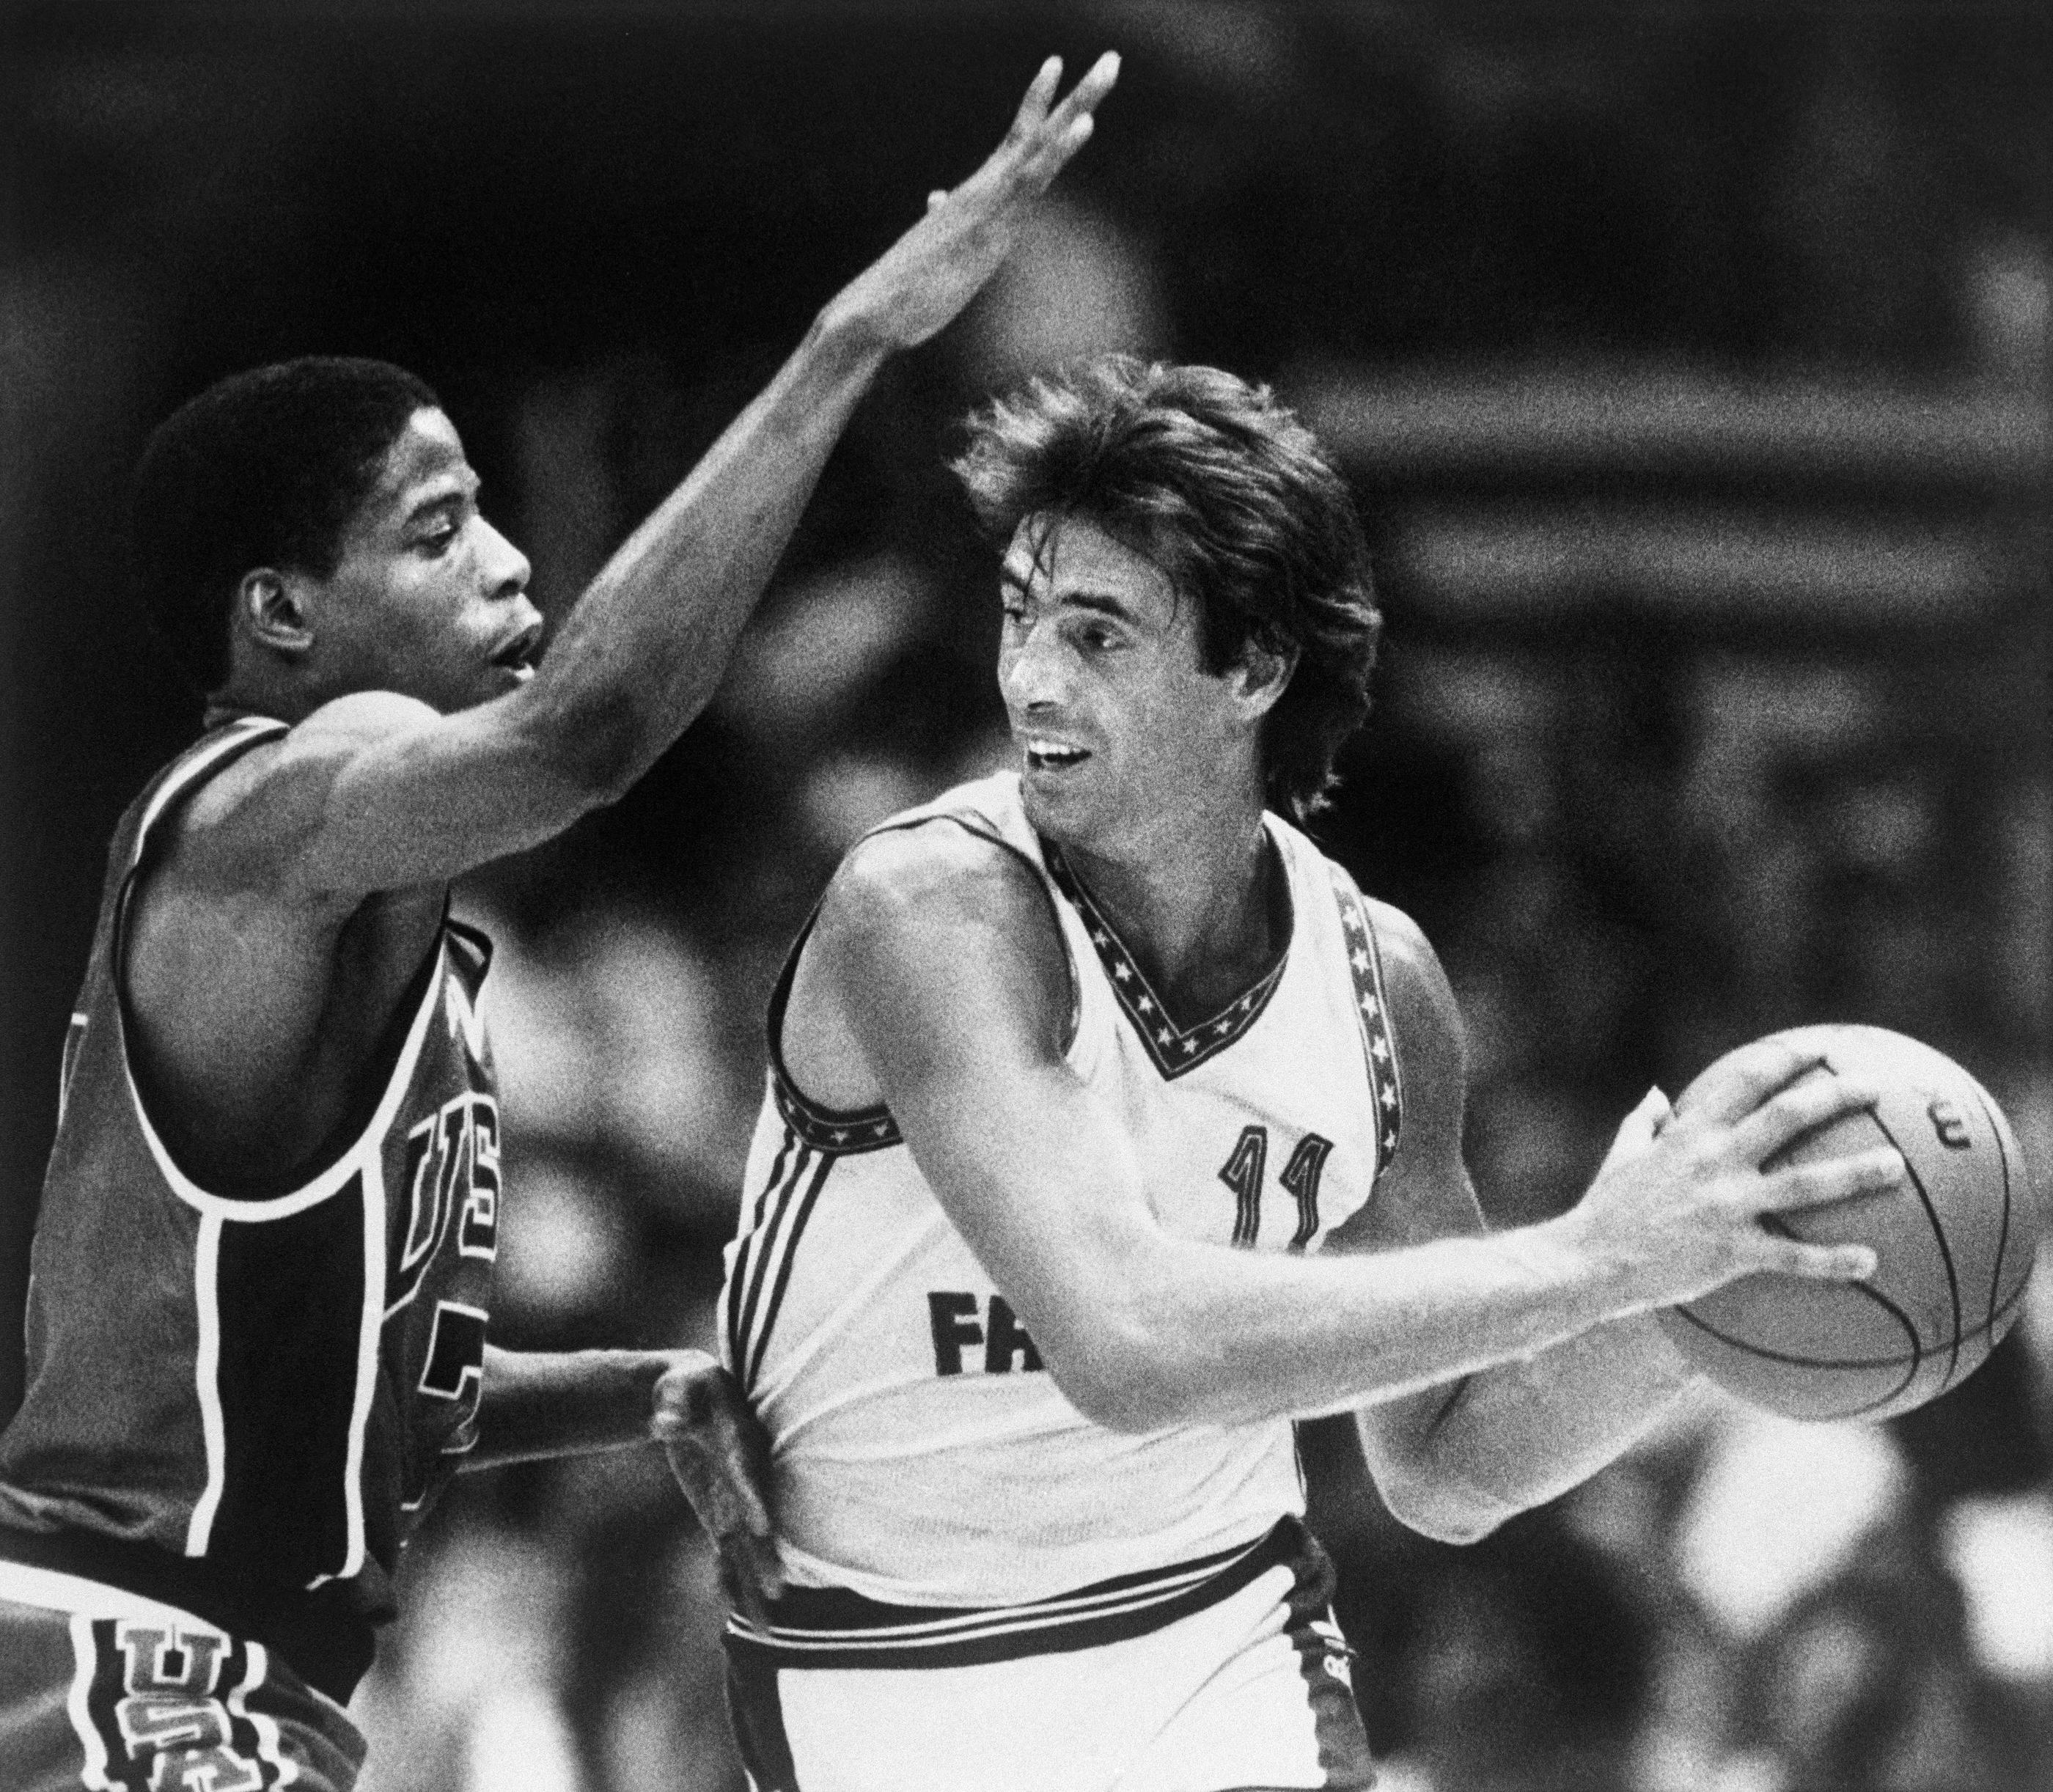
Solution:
(1224, 489)
(266, 468)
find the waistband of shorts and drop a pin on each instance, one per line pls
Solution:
(327, 1643)
(832, 1627)
(52, 1589)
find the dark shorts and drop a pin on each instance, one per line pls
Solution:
(1213, 1676)
(100, 1690)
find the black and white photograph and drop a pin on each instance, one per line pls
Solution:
(1027, 896)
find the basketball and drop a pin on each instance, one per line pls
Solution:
(1954, 1250)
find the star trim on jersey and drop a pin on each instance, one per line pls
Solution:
(824, 1129)
(832, 1627)
(1175, 1051)
(1365, 964)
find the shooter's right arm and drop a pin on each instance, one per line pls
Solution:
(936, 957)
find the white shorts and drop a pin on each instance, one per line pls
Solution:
(1216, 1675)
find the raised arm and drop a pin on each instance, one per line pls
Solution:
(937, 957)
(1456, 1460)
(376, 792)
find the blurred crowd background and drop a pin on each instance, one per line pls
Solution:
(1690, 360)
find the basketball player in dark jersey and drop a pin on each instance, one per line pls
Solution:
(258, 1327)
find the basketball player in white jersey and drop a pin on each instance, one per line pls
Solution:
(1110, 1129)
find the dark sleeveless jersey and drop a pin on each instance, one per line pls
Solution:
(241, 1405)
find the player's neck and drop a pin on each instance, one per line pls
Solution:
(1201, 908)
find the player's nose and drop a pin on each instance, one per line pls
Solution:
(1030, 672)
(506, 568)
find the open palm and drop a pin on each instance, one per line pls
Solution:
(931, 272)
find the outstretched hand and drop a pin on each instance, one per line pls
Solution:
(719, 1454)
(920, 283)
(1686, 1201)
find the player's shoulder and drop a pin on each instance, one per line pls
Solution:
(340, 726)
(940, 858)
(948, 871)
(357, 718)
(240, 828)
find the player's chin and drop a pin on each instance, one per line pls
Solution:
(1061, 805)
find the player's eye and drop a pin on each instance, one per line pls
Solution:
(438, 536)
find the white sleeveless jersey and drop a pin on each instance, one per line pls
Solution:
(922, 1455)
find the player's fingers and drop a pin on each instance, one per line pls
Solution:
(1085, 97)
(728, 1474)
(1070, 126)
(1835, 1179)
(1033, 106)
(750, 1574)
(936, 197)
(1815, 1100)
(1818, 1263)
(738, 1586)
(1637, 1130)
(1741, 1080)
(765, 1571)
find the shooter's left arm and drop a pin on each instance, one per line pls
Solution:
(1457, 1461)
(554, 1403)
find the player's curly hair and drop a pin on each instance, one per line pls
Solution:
(266, 468)
(1225, 490)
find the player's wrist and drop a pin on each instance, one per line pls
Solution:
(1615, 1275)
(849, 338)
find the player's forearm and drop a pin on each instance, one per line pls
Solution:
(645, 647)
(553, 1403)
(1458, 1461)
(1211, 1336)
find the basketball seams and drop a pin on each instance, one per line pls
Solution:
(1767, 1354)
(1769, 1343)
(1938, 1232)
(1997, 1315)
(2003, 1225)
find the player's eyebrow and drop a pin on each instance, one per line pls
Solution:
(441, 495)
(1103, 603)
(1079, 597)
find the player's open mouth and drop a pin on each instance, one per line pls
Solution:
(1052, 756)
(519, 655)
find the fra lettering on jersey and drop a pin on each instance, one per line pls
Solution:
(961, 1320)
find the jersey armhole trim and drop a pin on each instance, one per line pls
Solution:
(210, 757)
(848, 1131)
(1371, 1013)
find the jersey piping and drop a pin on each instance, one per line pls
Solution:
(358, 1168)
(292, 1374)
(1379, 1042)
(1174, 1050)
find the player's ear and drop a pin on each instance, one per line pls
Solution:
(1262, 673)
(271, 611)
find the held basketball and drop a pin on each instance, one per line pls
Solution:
(1954, 1250)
